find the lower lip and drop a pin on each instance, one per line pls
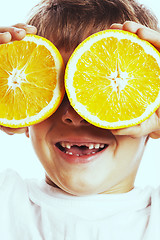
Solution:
(72, 159)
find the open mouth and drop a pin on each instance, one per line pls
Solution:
(80, 149)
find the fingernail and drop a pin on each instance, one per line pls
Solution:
(31, 28)
(10, 133)
(7, 33)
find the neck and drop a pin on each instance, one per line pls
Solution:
(126, 185)
(49, 182)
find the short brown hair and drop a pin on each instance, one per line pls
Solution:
(65, 22)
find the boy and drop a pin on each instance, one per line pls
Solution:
(89, 194)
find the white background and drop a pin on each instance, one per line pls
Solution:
(16, 151)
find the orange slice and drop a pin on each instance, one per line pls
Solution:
(113, 79)
(31, 81)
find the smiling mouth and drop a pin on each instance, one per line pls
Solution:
(80, 149)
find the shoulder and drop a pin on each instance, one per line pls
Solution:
(14, 192)
(15, 203)
(152, 199)
(9, 176)
(11, 184)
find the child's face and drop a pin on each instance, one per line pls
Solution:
(80, 170)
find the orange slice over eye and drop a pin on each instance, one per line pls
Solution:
(31, 81)
(113, 79)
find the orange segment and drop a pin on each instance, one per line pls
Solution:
(16, 59)
(113, 79)
(41, 70)
(31, 81)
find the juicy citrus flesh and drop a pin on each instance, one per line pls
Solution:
(113, 79)
(31, 81)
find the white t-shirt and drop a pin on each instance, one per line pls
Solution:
(32, 210)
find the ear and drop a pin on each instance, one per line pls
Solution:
(27, 132)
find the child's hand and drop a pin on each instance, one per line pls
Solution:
(142, 32)
(151, 126)
(16, 32)
(7, 34)
(11, 131)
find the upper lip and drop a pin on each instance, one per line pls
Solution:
(80, 136)
(83, 140)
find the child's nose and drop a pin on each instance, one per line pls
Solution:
(71, 117)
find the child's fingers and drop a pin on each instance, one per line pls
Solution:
(28, 28)
(143, 32)
(15, 33)
(11, 131)
(150, 126)
(132, 26)
(117, 26)
(150, 35)
(127, 26)
(131, 131)
(5, 37)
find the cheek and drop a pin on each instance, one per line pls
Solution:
(129, 151)
(37, 135)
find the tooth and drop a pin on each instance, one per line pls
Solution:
(101, 145)
(93, 152)
(97, 146)
(68, 146)
(91, 146)
(63, 144)
(77, 155)
(70, 153)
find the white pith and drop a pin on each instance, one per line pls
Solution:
(118, 80)
(16, 77)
